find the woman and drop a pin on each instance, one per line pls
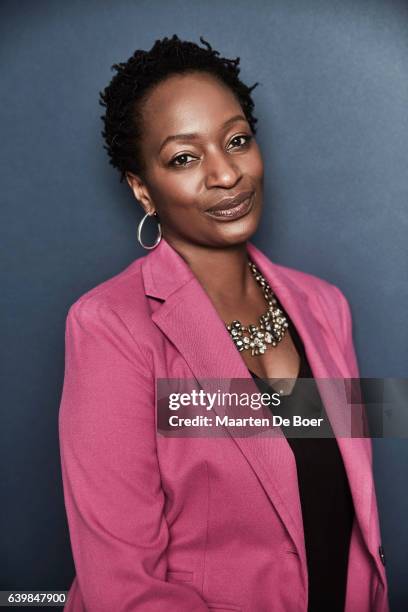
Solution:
(160, 523)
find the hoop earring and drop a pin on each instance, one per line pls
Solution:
(139, 231)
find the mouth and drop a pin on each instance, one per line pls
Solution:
(232, 208)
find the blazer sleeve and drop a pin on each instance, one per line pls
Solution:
(112, 488)
(347, 332)
(351, 358)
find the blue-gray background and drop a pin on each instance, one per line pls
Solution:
(333, 127)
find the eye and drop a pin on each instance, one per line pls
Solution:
(178, 158)
(246, 137)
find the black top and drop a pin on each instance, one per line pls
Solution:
(326, 501)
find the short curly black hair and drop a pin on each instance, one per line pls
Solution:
(135, 78)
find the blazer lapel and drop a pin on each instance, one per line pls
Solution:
(189, 320)
(329, 369)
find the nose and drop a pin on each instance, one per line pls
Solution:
(222, 170)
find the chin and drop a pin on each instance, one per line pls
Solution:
(238, 234)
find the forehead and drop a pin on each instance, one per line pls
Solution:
(196, 102)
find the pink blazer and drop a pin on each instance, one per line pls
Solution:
(162, 524)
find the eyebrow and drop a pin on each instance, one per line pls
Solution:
(195, 135)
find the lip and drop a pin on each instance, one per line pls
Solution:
(227, 203)
(234, 210)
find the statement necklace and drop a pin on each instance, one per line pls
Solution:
(272, 324)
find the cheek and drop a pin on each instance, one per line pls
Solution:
(255, 165)
(177, 200)
(175, 190)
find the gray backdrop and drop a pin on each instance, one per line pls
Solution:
(333, 128)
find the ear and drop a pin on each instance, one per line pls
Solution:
(140, 192)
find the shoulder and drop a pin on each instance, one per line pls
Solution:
(117, 303)
(295, 279)
(115, 290)
(311, 284)
(324, 297)
(118, 292)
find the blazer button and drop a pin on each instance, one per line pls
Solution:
(381, 553)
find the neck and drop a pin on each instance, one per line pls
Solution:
(223, 272)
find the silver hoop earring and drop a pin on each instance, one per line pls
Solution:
(139, 232)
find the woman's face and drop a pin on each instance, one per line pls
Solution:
(198, 149)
